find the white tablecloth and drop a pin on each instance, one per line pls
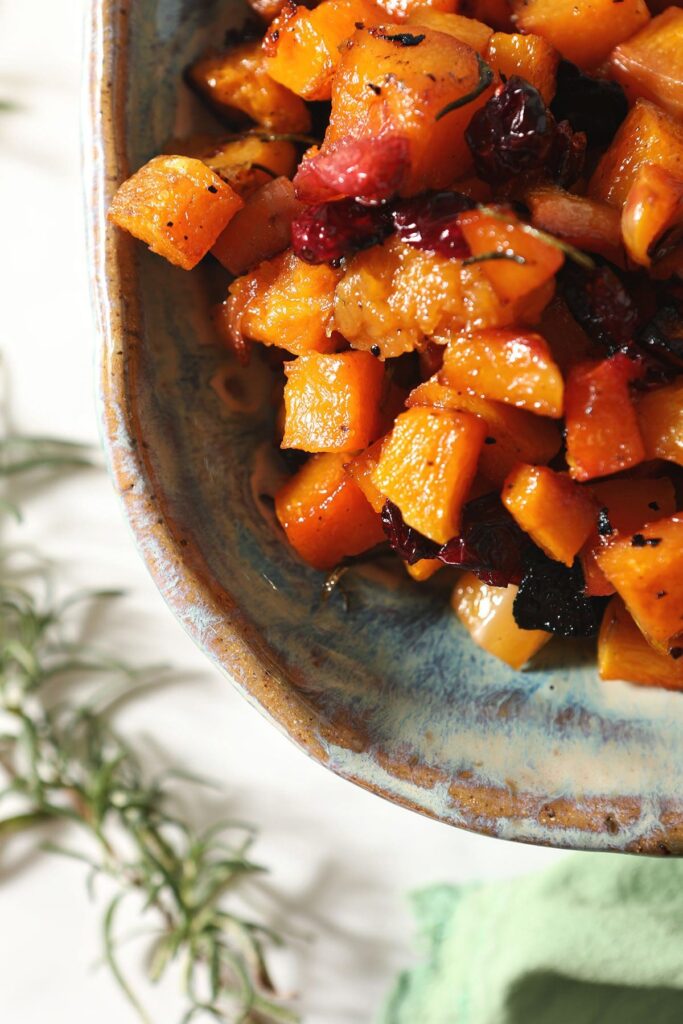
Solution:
(341, 859)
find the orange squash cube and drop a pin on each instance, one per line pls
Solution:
(584, 31)
(468, 30)
(646, 570)
(624, 653)
(601, 425)
(383, 88)
(399, 10)
(568, 342)
(488, 233)
(177, 206)
(506, 365)
(361, 467)
(648, 135)
(585, 223)
(261, 229)
(427, 466)
(650, 63)
(512, 435)
(654, 205)
(486, 614)
(325, 516)
(558, 514)
(302, 45)
(532, 57)
(332, 401)
(238, 82)
(660, 415)
(245, 163)
(288, 303)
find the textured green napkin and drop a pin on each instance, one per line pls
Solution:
(597, 939)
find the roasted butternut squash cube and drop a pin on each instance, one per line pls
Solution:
(653, 207)
(512, 435)
(585, 223)
(427, 466)
(568, 342)
(602, 430)
(624, 653)
(177, 206)
(332, 401)
(486, 614)
(558, 514)
(361, 467)
(302, 45)
(646, 570)
(288, 303)
(650, 63)
(237, 82)
(511, 366)
(383, 87)
(399, 10)
(584, 31)
(261, 229)
(468, 30)
(660, 415)
(532, 57)
(245, 163)
(325, 516)
(648, 135)
(524, 263)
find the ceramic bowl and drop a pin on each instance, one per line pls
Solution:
(390, 693)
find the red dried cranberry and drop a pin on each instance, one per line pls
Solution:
(371, 170)
(329, 231)
(429, 221)
(551, 597)
(490, 544)
(411, 545)
(512, 133)
(601, 304)
(567, 155)
(595, 106)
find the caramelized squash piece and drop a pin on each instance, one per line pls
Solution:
(361, 468)
(286, 302)
(487, 233)
(399, 10)
(601, 425)
(427, 465)
(382, 87)
(468, 30)
(648, 135)
(486, 614)
(237, 82)
(650, 63)
(646, 570)
(246, 164)
(624, 653)
(177, 205)
(511, 366)
(660, 415)
(261, 229)
(532, 57)
(653, 209)
(558, 514)
(302, 45)
(584, 31)
(512, 435)
(325, 515)
(332, 401)
(585, 223)
(568, 342)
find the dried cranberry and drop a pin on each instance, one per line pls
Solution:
(551, 597)
(371, 170)
(410, 544)
(329, 231)
(595, 106)
(512, 133)
(429, 221)
(662, 336)
(490, 544)
(599, 301)
(567, 155)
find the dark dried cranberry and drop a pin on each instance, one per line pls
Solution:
(329, 231)
(567, 155)
(371, 169)
(409, 544)
(601, 304)
(429, 221)
(662, 336)
(512, 133)
(491, 544)
(595, 106)
(551, 597)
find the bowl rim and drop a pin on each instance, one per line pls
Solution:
(185, 581)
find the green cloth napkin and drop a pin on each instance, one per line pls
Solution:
(597, 939)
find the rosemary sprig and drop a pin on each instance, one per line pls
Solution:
(62, 761)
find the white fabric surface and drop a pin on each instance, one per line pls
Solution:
(341, 859)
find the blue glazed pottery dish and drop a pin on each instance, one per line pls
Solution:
(389, 693)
